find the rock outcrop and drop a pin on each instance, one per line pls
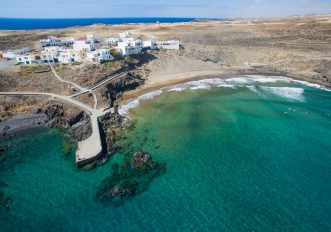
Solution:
(78, 125)
(129, 82)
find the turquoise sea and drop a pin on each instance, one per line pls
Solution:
(243, 154)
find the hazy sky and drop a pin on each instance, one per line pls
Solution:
(158, 8)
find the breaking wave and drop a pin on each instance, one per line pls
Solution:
(250, 82)
(123, 110)
(286, 92)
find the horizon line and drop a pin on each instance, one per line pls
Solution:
(167, 17)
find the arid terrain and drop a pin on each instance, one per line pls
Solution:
(299, 47)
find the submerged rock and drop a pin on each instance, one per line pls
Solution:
(130, 178)
(5, 201)
(2, 154)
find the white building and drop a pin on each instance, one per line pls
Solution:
(100, 55)
(112, 41)
(149, 44)
(50, 54)
(125, 34)
(130, 48)
(67, 56)
(84, 45)
(170, 45)
(91, 38)
(28, 59)
(13, 54)
(54, 41)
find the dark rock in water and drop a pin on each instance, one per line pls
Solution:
(2, 154)
(3, 185)
(5, 202)
(129, 179)
(140, 158)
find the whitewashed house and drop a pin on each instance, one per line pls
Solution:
(149, 44)
(130, 48)
(28, 59)
(125, 34)
(50, 54)
(99, 55)
(54, 41)
(112, 41)
(170, 45)
(68, 42)
(104, 55)
(67, 56)
(91, 38)
(84, 44)
(18, 52)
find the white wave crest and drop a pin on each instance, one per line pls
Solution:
(251, 79)
(286, 92)
(201, 87)
(123, 110)
(227, 86)
(248, 81)
(317, 86)
(176, 89)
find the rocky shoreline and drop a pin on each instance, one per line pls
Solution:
(20, 123)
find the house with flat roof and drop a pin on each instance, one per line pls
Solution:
(100, 55)
(130, 47)
(33, 58)
(84, 44)
(11, 54)
(67, 56)
(50, 54)
(125, 34)
(170, 45)
(112, 41)
(149, 44)
(54, 41)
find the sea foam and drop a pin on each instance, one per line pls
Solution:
(248, 81)
(123, 110)
(286, 92)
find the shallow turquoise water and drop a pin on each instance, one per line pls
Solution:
(237, 160)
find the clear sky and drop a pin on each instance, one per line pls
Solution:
(160, 8)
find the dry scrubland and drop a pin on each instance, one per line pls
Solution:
(298, 47)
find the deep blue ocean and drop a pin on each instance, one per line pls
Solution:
(30, 24)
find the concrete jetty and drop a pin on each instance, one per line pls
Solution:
(91, 148)
(88, 149)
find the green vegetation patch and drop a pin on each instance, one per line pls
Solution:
(131, 60)
(116, 54)
(25, 70)
(109, 63)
